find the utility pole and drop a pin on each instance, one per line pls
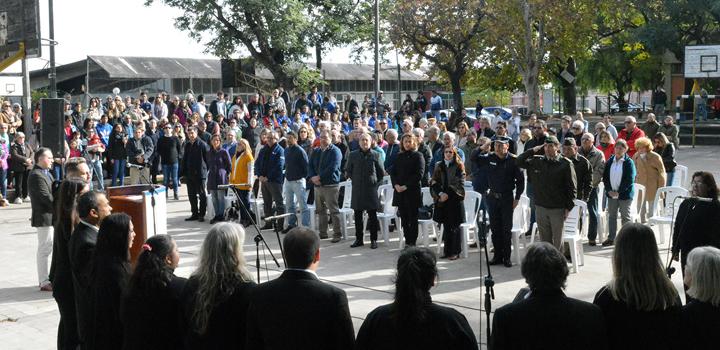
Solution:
(399, 87)
(52, 76)
(377, 50)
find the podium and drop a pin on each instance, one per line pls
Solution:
(136, 201)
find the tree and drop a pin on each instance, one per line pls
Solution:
(445, 34)
(276, 33)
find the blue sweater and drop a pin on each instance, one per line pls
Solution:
(326, 165)
(296, 163)
(270, 163)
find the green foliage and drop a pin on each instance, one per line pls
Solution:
(307, 78)
(36, 95)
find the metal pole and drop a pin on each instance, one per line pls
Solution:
(377, 50)
(87, 81)
(27, 99)
(52, 76)
(399, 81)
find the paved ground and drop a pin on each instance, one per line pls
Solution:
(28, 317)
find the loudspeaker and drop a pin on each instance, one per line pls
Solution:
(227, 73)
(52, 121)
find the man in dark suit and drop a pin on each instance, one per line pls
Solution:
(92, 208)
(194, 165)
(41, 202)
(547, 317)
(296, 310)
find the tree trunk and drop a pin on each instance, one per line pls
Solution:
(457, 91)
(569, 93)
(532, 89)
(281, 77)
(318, 57)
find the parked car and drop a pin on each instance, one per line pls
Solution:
(505, 113)
(632, 108)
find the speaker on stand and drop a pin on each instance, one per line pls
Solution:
(52, 125)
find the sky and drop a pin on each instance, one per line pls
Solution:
(123, 28)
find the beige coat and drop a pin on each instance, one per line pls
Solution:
(650, 173)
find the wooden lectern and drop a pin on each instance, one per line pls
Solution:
(136, 201)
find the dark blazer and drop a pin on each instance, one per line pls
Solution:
(108, 283)
(81, 249)
(449, 180)
(41, 197)
(408, 171)
(18, 154)
(700, 325)
(696, 225)
(366, 173)
(548, 320)
(627, 187)
(270, 163)
(628, 328)
(227, 324)
(194, 163)
(444, 328)
(153, 322)
(60, 270)
(297, 311)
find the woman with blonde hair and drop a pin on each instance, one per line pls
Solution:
(216, 297)
(640, 303)
(701, 315)
(666, 150)
(650, 173)
(241, 175)
(607, 144)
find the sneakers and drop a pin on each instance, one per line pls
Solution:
(18, 200)
(357, 244)
(608, 242)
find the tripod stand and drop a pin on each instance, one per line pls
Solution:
(488, 281)
(258, 237)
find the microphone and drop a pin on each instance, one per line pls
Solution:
(700, 199)
(136, 166)
(224, 187)
(278, 217)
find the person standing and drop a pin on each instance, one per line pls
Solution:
(671, 130)
(391, 150)
(241, 176)
(503, 178)
(218, 161)
(169, 148)
(701, 315)
(597, 163)
(324, 172)
(118, 154)
(448, 192)
(651, 126)
(296, 171)
(630, 133)
(92, 208)
(139, 153)
(666, 150)
(650, 173)
(619, 182)
(21, 162)
(554, 186)
(583, 170)
(366, 173)
(195, 170)
(269, 170)
(40, 180)
(296, 310)
(406, 178)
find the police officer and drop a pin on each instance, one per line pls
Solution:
(504, 177)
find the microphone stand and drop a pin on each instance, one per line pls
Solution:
(488, 281)
(258, 237)
(152, 196)
(276, 227)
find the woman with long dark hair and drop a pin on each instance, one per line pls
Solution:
(406, 177)
(118, 154)
(151, 307)
(217, 295)
(640, 303)
(60, 270)
(448, 191)
(108, 281)
(412, 320)
(218, 163)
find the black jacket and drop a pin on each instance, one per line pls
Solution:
(444, 328)
(41, 198)
(143, 147)
(700, 325)
(696, 225)
(108, 283)
(366, 172)
(153, 322)
(548, 320)
(554, 180)
(408, 171)
(194, 162)
(18, 154)
(227, 325)
(297, 311)
(81, 250)
(427, 156)
(116, 146)
(628, 328)
(169, 149)
(60, 270)
(583, 174)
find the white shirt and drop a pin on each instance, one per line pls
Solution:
(616, 172)
(95, 228)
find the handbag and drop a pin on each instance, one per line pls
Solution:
(425, 212)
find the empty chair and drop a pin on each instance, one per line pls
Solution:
(638, 202)
(346, 211)
(521, 220)
(425, 226)
(571, 236)
(680, 178)
(472, 208)
(666, 207)
(584, 217)
(388, 212)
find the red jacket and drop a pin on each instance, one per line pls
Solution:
(636, 134)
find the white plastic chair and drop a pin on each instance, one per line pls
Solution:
(521, 220)
(602, 213)
(680, 177)
(256, 203)
(346, 212)
(584, 216)
(472, 208)
(638, 201)
(571, 235)
(664, 201)
(388, 213)
(425, 226)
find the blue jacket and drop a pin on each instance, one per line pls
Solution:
(627, 184)
(326, 165)
(296, 163)
(270, 163)
(391, 152)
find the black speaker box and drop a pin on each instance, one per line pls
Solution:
(52, 121)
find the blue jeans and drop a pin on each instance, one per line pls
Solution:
(669, 176)
(293, 190)
(218, 201)
(57, 172)
(592, 207)
(3, 182)
(170, 173)
(245, 212)
(118, 172)
(96, 168)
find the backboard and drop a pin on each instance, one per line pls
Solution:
(702, 61)
(19, 22)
